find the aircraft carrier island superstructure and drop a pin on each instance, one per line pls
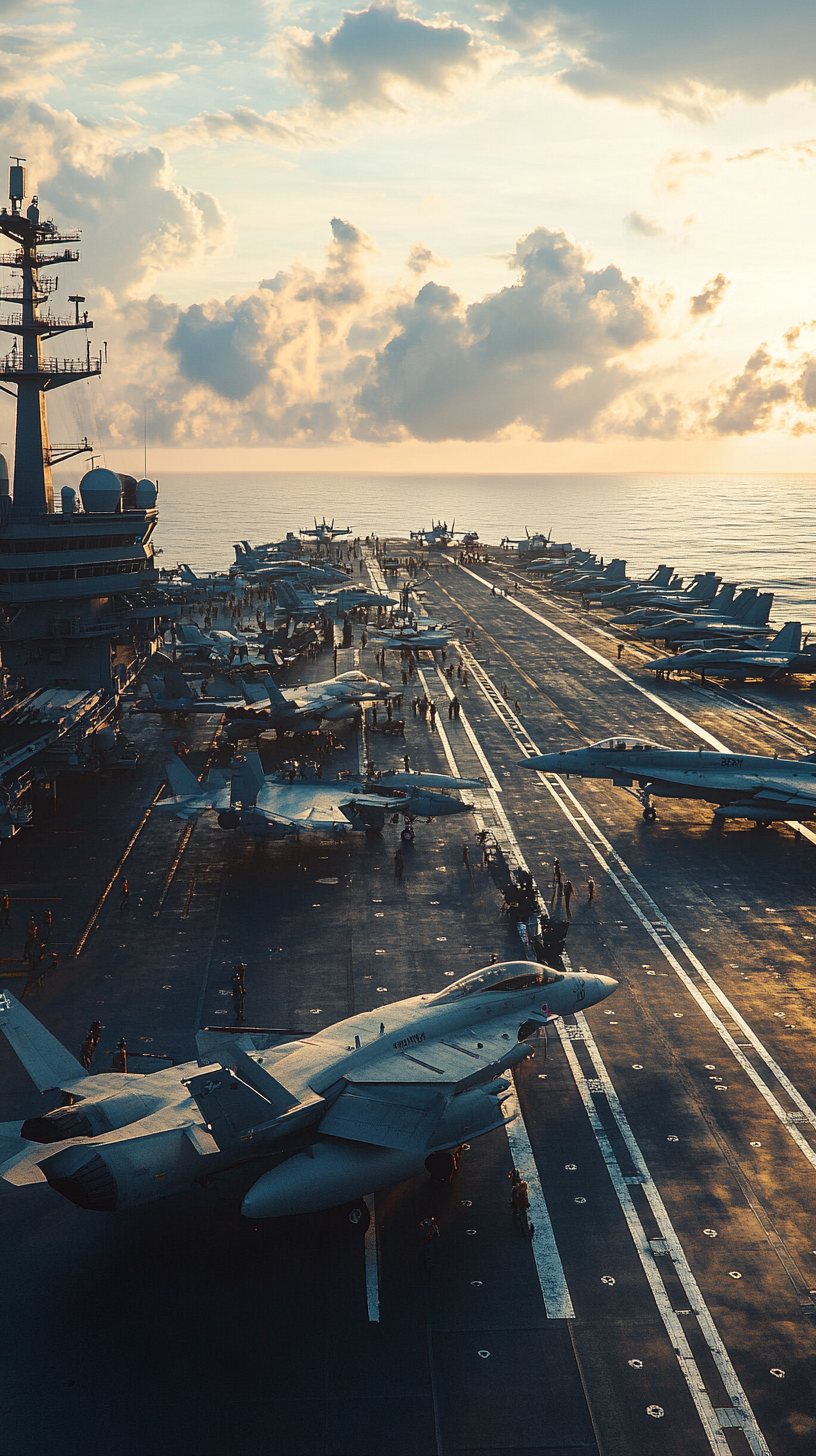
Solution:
(78, 613)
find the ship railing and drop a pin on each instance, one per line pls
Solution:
(45, 321)
(12, 364)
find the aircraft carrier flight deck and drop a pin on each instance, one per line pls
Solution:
(666, 1301)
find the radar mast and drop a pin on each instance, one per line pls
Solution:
(26, 365)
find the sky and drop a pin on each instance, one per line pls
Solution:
(506, 237)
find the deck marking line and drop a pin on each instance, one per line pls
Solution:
(111, 882)
(551, 1276)
(372, 1272)
(712, 985)
(728, 1374)
(508, 717)
(689, 723)
(674, 1329)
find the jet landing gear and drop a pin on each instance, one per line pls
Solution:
(649, 811)
(355, 1217)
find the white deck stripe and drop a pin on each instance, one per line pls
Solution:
(550, 1270)
(624, 676)
(372, 1271)
(508, 718)
(727, 1373)
(551, 1275)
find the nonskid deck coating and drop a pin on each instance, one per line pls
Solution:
(183, 1326)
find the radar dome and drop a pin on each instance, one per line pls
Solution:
(101, 490)
(146, 495)
(70, 500)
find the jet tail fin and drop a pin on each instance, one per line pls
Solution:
(287, 598)
(46, 1060)
(787, 639)
(181, 779)
(758, 614)
(247, 779)
(176, 684)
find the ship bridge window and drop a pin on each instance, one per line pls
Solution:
(67, 543)
(626, 743)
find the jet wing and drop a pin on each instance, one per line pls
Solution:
(44, 1058)
(388, 1116)
(747, 787)
(464, 1058)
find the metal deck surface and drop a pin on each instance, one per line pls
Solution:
(672, 1129)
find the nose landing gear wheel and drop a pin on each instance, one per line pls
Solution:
(650, 815)
(356, 1217)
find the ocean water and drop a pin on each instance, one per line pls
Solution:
(758, 530)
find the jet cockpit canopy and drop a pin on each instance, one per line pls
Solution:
(627, 743)
(509, 976)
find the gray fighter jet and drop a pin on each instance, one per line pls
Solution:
(418, 638)
(783, 654)
(587, 581)
(171, 692)
(612, 592)
(274, 806)
(750, 622)
(742, 785)
(438, 535)
(290, 598)
(324, 533)
(574, 561)
(365, 1104)
(302, 709)
(672, 594)
(720, 605)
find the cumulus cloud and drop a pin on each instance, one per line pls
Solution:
(138, 222)
(34, 57)
(769, 393)
(213, 128)
(710, 298)
(420, 259)
(688, 57)
(373, 52)
(640, 226)
(549, 353)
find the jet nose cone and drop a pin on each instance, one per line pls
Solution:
(541, 760)
(606, 985)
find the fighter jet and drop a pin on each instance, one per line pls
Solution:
(783, 654)
(574, 561)
(671, 595)
(537, 542)
(171, 692)
(720, 605)
(438, 535)
(661, 579)
(587, 581)
(331, 604)
(418, 639)
(276, 805)
(324, 534)
(301, 709)
(751, 622)
(742, 785)
(365, 1104)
